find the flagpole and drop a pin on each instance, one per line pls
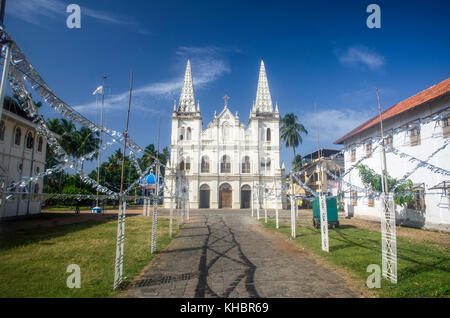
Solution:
(101, 136)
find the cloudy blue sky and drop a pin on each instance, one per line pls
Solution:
(315, 52)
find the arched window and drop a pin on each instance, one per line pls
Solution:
(188, 164)
(2, 130)
(225, 165)
(268, 135)
(265, 164)
(30, 140)
(36, 188)
(182, 133)
(188, 133)
(40, 143)
(246, 165)
(18, 136)
(205, 164)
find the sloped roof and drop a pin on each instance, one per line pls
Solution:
(412, 102)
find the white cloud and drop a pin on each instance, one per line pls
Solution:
(208, 65)
(360, 56)
(39, 11)
(333, 124)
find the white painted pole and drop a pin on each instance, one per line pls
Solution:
(265, 208)
(171, 217)
(124, 212)
(276, 216)
(292, 217)
(253, 201)
(257, 206)
(155, 210)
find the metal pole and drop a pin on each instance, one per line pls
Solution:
(118, 277)
(99, 156)
(384, 184)
(322, 197)
(388, 230)
(156, 197)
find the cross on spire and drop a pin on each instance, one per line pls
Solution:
(226, 98)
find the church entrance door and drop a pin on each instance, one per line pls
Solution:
(246, 194)
(204, 196)
(225, 196)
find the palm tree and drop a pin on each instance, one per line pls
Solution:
(297, 163)
(290, 134)
(290, 131)
(84, 142)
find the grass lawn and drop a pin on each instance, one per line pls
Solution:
(423, 271)
(33, 262)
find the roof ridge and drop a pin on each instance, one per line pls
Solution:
(434, 91)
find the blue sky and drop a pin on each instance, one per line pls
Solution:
(315, 52)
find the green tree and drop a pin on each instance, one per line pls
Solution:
(372, 180)
(297, 163)
(290, 132)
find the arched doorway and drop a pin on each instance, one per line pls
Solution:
(246, 194)
(225, 196)
(204, 196)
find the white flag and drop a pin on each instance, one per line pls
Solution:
(99, 90)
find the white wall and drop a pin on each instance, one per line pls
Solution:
(12, 157)
(437, 212)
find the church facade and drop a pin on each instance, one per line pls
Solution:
(222, 164)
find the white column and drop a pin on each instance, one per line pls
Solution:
(292, 217)
(276, 216)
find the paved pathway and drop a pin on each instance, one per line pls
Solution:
(227, 254)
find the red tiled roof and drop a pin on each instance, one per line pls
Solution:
(408, 104)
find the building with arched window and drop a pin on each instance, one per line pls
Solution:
(20, 158)
(227, 159)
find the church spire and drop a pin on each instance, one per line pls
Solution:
(187, 99)
(263, 99)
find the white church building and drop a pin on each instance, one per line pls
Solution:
(225, 161)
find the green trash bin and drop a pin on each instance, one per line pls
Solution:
(332, 212)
